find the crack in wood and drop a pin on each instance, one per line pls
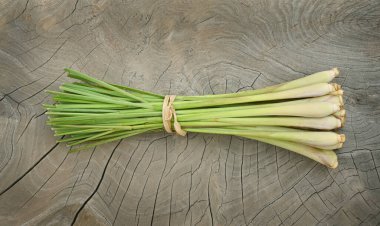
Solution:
(28, 170)
(97, 186)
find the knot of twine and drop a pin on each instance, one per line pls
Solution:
(168, 112)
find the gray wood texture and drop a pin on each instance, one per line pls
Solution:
(186, 47)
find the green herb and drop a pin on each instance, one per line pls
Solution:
(296, 115)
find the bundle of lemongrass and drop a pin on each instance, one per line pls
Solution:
(296, 115)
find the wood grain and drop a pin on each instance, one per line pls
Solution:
(186, 47)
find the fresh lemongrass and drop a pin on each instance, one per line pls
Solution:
(325, 123)
(311, 138)
(340, 114)
(319, 77)
(323, 156)
(84, 77)
(327, 98)
(295, 115)
(301, 110)
(314, 90)
(330, 147)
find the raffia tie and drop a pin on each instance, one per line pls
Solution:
(168, 112)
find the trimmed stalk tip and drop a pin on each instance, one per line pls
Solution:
(333, 165)
(337, 93)
(342, 138)
(335, 71)
(339, 124)
(340, 114)
(343, 120)
(336, 86)
(341, 99)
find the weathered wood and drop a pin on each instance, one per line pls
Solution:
(186, 47)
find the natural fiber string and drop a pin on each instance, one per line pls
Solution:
(168, 112)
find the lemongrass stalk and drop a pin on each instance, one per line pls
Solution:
(76, 137)
(132, 127)
(325, 123)
(73, 138)
(109, 134)
(73, 88)
(97, 98)
(80, 131)
(121, 132)
(319, 77)
(97, 118)
(78, 75)
(58, 113)
(335, 99)
(86, 86)
(94, 130)
(315, 90)
(116, 112)
(112, 126)
(63, 100)
(61, 96)
(107, 140)
(139, 91)
(128, 121)
(89, 106)
(266, 128)
(90, 138)
(114, 115)
(305, 137)
(48, 106)
(195, 124)
(130, 111)
(302, 110)
(53, 109)
(325, 157)
(121, 122)
(330, 147)
(310, 138)
(327, 98)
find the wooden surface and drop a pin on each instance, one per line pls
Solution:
(186, 47)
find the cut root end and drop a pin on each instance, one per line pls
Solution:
(333, 165)
(335, 71)
(341, 100)
(337, 92)
(341, 113)
(336, 86)
(342, 138)
(343, 120)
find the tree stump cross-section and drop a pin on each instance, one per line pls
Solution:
(186, 48)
